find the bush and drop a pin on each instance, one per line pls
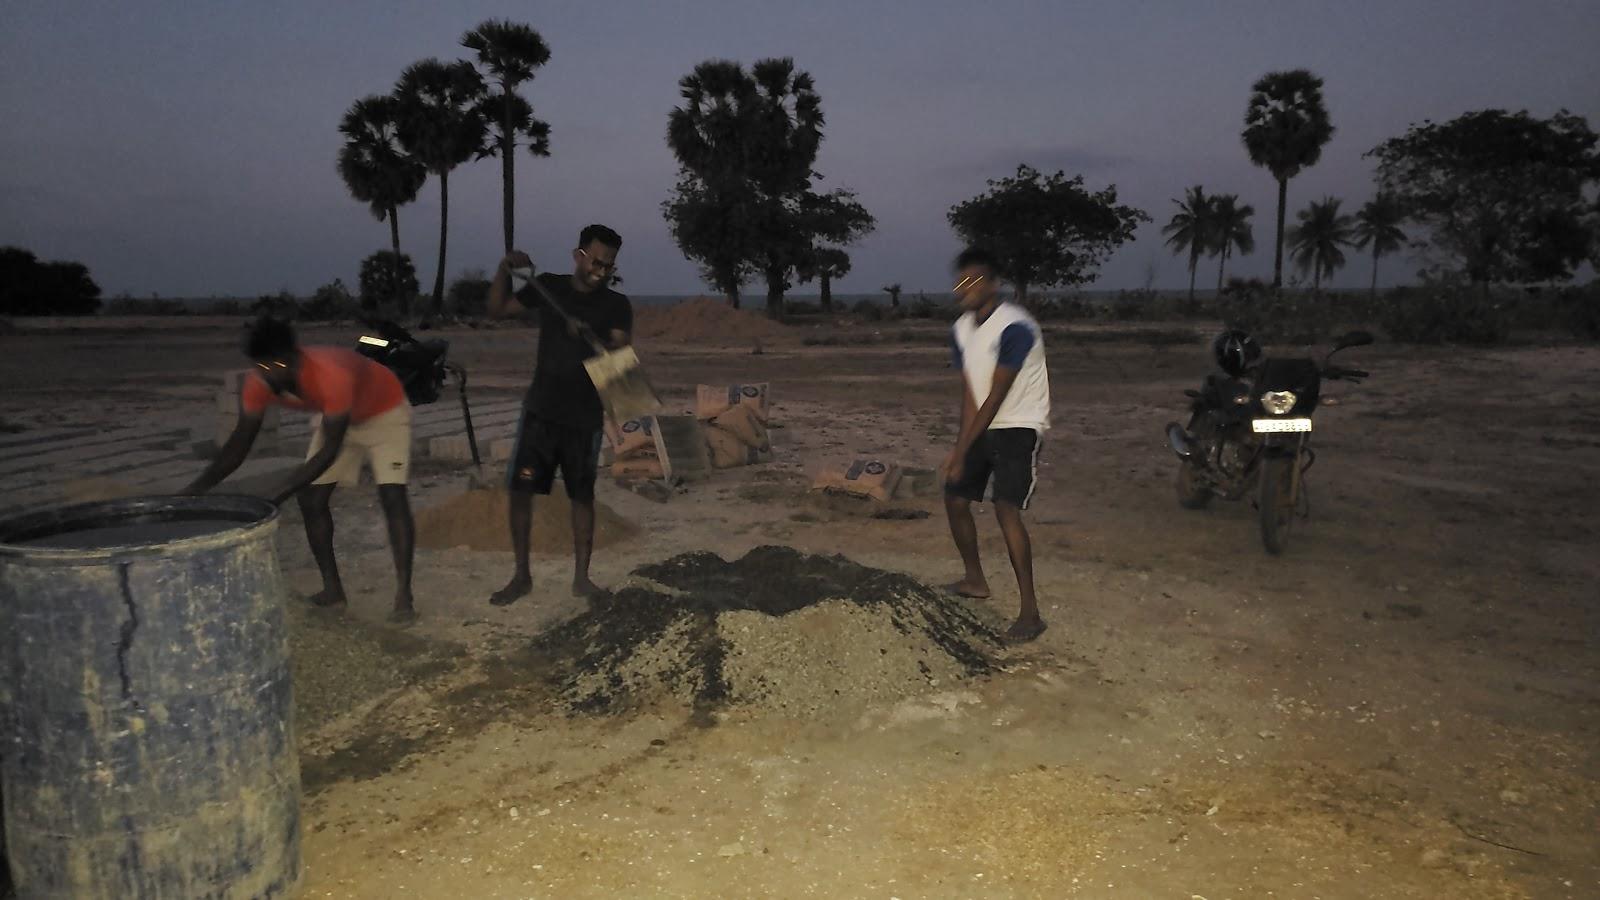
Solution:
(29, 287)
(801, 308)
(282, 305)
(386, 278)
(330, 302)
(869, 311)
(1581, 310)
(1061, 309)
(1279, 317)
(125, 305)
(1444, 311)
(469, 295)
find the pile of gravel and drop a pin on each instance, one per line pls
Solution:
(776, 631)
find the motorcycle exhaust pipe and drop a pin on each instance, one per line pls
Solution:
(1179, 439)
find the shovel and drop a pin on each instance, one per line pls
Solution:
(475, 482)
(625, 391)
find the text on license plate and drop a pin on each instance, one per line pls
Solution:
(1275, 426)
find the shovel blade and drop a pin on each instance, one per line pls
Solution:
(625, 391)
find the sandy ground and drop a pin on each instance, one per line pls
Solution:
(1404, 705)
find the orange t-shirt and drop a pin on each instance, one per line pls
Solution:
(332, 381)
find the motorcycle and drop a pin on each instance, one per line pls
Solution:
(1250, 430)
(422, 367)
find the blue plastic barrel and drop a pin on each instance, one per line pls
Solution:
(146, 714)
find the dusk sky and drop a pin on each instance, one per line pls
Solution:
(188, 148)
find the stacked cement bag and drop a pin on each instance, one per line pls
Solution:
(736, 423)
(635, 452)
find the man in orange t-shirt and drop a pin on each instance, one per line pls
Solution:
(361, 416)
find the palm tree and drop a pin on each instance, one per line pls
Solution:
(1191, 228)
(1317, 241)
(786, 135)
(1285, 128)
(1378, 223)
(375, 168)
(509, 54)
(442, 126)
(825, 264)
(1230, 230)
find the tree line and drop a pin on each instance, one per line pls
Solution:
(1502, 197)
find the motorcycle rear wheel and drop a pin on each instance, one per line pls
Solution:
(1276, 502)
(1193, 492)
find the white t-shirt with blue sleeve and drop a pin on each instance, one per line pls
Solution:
(1008, 337)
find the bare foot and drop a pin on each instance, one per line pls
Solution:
(326, 599)
(519, 587)
(402, 615)
(583, 587)
(1024, 630)
(977, 590)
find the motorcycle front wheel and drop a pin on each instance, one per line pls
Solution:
(1276, 502)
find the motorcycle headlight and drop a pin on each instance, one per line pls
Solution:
(1278, 402)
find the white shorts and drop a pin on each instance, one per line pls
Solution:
(383, 441)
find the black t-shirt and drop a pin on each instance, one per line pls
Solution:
(561, 391)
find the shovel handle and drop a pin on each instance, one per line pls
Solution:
(582, 330)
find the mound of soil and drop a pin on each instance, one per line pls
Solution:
(703, 320)
(776, 631)
(478, 520)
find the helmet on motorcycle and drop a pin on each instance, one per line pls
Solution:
(1235, 352)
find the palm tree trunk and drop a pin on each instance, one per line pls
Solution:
(775, 293)
(444, 221)
(1374, 271)
(827, 292)
(1277, 253)
(1316, 278)
(1222, 263)
(1022, 293)
(508, 177)
(394, 262)
(1193, 258)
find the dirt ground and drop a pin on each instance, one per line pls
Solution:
(1406, 704)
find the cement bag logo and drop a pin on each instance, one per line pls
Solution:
(874, 468)
(750, 390)
(632, 425)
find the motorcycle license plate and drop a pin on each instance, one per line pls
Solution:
(1279, 426)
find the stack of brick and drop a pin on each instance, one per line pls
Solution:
(268, 439)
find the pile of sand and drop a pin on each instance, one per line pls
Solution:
(703, 320)
(776, 632)
(478, 520)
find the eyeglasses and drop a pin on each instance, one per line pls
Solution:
(967, 282)
(269, 366)
(599, 263)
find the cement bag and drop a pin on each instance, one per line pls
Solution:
(710, 402)
(870, 478)
(743, 422)
(728, 450)
(637, 468)
(637, 438)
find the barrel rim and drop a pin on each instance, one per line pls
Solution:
(262, 519)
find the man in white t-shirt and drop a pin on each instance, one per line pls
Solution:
(1005, 409)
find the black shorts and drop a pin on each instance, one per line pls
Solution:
(545, 447)
(1010, 456)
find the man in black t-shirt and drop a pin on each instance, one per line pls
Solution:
(562, 417)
